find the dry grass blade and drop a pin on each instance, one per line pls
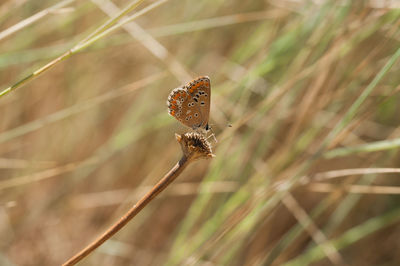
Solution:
(150, 43)
(18, 163)
(317, 235)
(356, 189)
(48, 173)
(117, 197)
(346, 172)
(26, 22)
(113, 20)
(210, 23)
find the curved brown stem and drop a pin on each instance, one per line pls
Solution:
(194, 146)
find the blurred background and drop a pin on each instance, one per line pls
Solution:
(308, 174)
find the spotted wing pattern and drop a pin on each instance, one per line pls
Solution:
(190, 104)
(200, 90)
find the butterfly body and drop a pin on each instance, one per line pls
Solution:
(190, 104)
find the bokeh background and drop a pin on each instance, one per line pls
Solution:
(308, 174)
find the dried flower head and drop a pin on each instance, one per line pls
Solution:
(194, 146)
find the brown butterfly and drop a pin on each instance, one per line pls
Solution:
(190, 104)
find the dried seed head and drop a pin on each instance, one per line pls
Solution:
(194, 146)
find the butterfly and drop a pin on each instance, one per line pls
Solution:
(190, 104)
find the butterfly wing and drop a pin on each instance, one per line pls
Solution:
(200, 91)
(182, 106)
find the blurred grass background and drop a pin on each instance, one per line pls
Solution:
(308, 174)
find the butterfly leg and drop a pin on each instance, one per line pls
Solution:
(212, 135)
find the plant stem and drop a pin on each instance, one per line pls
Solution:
(194, 146)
